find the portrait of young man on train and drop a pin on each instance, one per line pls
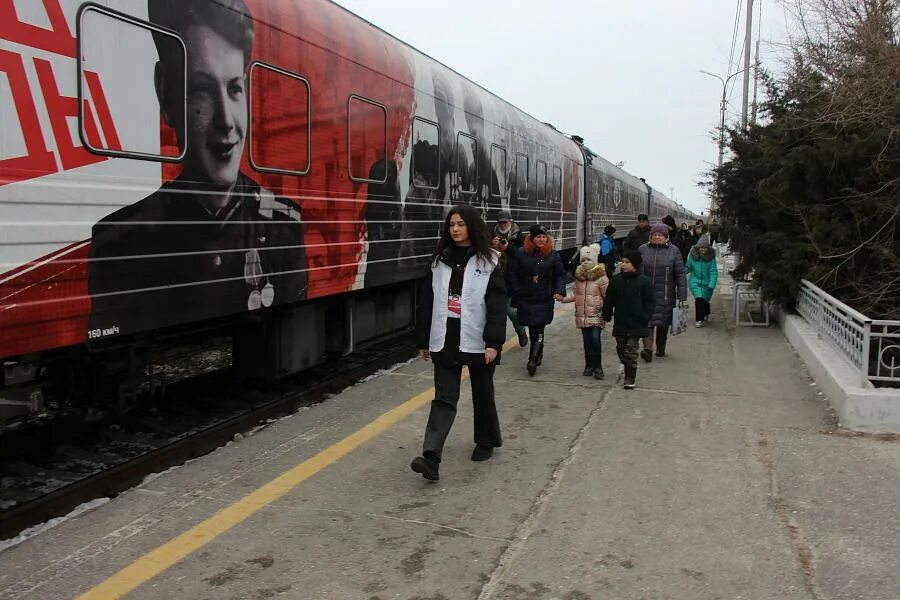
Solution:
(212, 241)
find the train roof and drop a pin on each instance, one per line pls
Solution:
(550, 129)
(605, 166)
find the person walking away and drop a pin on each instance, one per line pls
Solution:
(714, 229)
(461, 322)
(629, 305)
(638, 236)
(507, 237)
(684, 239)
(588, 294)
(536, 278)
(673, 227)
(608, 251)
(663, 264)
(704, 274)
(698, 231)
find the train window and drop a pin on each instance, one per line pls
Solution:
(617, 195)
(426, 156)
(466, 163)
(498, 164)
(279, 133)
(127, 89)
(366, 139)
(556, 186)
(541, 181)
(521, 176)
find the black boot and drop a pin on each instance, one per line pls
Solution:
(428, 466)
(647, 355)
(662, 334)
(588, 370)
(630, 377)
(540, 350)
(523, 338)
(598, 370)
(532, 357)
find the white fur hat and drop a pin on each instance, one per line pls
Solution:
(592, 252)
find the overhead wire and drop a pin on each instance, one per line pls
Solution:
(734, 38)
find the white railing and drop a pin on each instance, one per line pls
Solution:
(871, 345)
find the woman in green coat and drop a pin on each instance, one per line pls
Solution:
(702, 275)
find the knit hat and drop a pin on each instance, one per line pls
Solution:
(703, 242)
(504, 215)
(609, 230)
(670, 221)
(592, 252)
(634, 257)
(536, 230)
(660, 228)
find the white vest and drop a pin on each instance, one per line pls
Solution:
(474, 308)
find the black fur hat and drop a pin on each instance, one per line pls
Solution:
(536, 230)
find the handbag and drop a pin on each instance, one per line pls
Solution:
(679, 319)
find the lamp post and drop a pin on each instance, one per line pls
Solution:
(722, 105)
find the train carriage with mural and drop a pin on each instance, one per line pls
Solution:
(272, 171)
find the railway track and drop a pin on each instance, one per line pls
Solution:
(49, 469)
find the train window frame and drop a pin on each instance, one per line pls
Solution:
(527, 174)
(383, 108)
(460, 134)
(83, 10)
(500, 193)
(542, 199)
(559, 188)
(412, 160)
(292, 75)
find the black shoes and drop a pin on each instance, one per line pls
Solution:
(482, 453)
(428, 467)
(647, 355)
(661, 353)
(598, 373)
(523, 339)
(630, 376)
(532, 368)
(588, 371)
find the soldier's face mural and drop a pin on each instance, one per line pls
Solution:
(216, 119)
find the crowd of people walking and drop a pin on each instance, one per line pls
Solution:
(480, 276)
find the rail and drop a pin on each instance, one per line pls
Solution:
(872, 346)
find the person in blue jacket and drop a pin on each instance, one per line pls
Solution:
(703, 274)
(537, 278)
(608, 250)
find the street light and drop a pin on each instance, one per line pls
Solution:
(722, 107)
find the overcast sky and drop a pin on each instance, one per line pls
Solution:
(623, 75)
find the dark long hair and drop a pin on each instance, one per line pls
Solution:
(479, 235)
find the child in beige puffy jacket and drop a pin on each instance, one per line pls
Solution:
(588, 294)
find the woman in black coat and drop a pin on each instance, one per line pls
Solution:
(461, 321)
(683, 240)
(537, 277)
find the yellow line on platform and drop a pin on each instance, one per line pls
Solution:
(156, 561)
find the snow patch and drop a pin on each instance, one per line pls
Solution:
(41, 528)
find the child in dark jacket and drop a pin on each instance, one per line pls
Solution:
(630, 297)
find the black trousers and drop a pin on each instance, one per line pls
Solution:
(702, 308)
(447, 380)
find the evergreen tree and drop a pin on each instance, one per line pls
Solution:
(814, 191)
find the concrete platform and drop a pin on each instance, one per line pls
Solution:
(721, 476)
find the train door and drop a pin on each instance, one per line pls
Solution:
(571, 222)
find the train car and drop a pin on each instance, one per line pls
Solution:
(277, 170)
(612, 197)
